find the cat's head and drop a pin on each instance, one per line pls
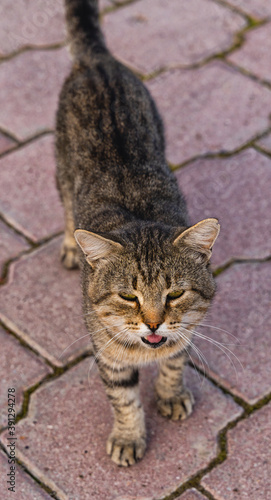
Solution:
(151, 285)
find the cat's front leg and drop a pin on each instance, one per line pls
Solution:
(173, 399)
(127, 441)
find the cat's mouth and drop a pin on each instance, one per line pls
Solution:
(154, 340)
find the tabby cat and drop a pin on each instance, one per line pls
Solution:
(145, 273)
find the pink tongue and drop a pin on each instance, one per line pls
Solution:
(154, 339)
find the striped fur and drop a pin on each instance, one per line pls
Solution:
(132, 227)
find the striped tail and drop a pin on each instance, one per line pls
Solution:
(85, 35)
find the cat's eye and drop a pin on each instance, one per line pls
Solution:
(128, 296)
(175, 295)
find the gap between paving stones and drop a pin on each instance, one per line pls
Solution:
(9, 135)
(23, 143)
(232, 262)
(34, 246)
(224, 154)
(46, 488)
(237, 10)
(30, 48)
(248, 74)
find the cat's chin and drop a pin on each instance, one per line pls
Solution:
(154, 345)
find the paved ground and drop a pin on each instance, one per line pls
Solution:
(207, 63)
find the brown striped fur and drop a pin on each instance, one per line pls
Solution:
(132, 228)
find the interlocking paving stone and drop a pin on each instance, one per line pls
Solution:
(19, 368)
(29, 198)
(242, 308)
(30, 23)
(237, 191)
(159, 34)
(25, 488)
(192, 495)
(258, 8)
(265, 143)
(6, 143)
(254, 55)
(42, 303)
(246, 472)
(11, 244)
(210, 109)
(71, 416)
(35, 78)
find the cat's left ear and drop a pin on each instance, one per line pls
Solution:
(94, 246)
(200, 237)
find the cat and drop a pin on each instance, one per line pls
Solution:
(146, 277)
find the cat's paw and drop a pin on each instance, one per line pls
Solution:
(69, 255)
(177, 408)
(125, 452)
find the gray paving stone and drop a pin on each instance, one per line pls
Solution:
(242, 308)
(254, 55)
(5, 143)
(210, 109)
(35, 78)
(236, 190)
(246, 472)
(260, 9)
(19, 369)
(265, 143)
(42, 303)
(30, 23)
(25, 487)
(152, 34)
(11, 244)
(29, 199)
(72, 417)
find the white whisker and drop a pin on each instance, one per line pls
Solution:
(222, 347)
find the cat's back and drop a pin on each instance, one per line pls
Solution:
(103, 106)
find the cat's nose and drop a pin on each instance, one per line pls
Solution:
(153, 326)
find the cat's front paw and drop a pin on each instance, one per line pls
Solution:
(69, 255)
(125, 452)
(177, 408)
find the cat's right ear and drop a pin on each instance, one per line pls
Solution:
(94, 246)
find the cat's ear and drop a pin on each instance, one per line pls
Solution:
(94, 246)
(200, 237)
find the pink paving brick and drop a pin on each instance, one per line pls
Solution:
(210, 109)
(25, 488)
(265, 143)
(152, 34)
(260, 9)
(236, 190)
(29, 198)
(11, 244)
(31, 23)
(14, 359)
(6, 143)
(72, 418)
(242, 308)
(254, 55)
(34, 78)
(42, 303)
(246, 472)
(192, 495)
